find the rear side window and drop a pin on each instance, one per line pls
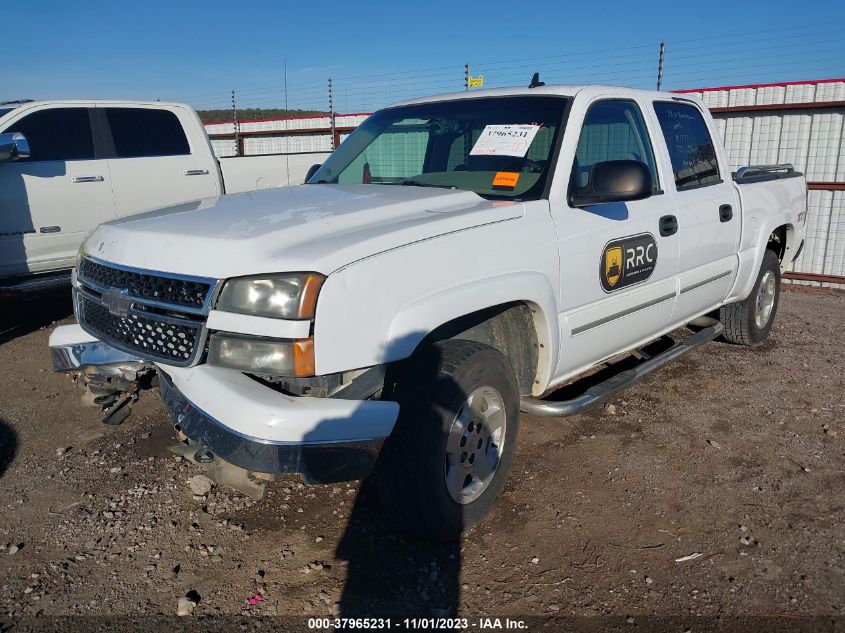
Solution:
(138, 132)
(613, 130)
(690, 147)
(57, 134)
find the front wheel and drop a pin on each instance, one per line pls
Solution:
(449, 455)
(749, 322)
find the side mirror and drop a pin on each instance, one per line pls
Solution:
(13, 146)
(614, 181)
(311, 171)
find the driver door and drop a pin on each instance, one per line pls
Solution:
(51, 200)
(618, 273)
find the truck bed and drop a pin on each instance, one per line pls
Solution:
(766, 190)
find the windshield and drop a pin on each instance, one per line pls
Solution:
(5, 111)
(498, 147)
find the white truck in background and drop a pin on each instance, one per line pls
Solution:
(451, 264)
(67, 166)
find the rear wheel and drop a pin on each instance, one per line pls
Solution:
(749, 322)
(449, 455)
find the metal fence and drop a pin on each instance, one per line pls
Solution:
(292, 135)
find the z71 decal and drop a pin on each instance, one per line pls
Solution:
(627, 261)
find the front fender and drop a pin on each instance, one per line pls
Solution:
(378, 310)
(419, 318)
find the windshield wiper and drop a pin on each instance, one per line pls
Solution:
(417, 183)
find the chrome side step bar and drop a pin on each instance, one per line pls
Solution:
(615, 383)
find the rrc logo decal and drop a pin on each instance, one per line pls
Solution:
(627, 261)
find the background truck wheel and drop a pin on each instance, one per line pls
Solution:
(748, 322)
(449, 454)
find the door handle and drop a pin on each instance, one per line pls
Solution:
(668, 225)
(86, 179)
(726, 213)
(195, 172)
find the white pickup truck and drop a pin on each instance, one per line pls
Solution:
(67, 166)
(452, 263)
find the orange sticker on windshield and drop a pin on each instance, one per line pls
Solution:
(506, 179)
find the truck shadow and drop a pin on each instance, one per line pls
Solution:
(8, 446)
(22, 314)
(390, 574)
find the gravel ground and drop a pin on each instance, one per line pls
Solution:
(709, 492)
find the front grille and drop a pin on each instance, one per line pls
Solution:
(148, 335)
(181, 292)
(158, 317)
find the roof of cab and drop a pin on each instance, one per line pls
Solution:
(85, 102)
(564, 90)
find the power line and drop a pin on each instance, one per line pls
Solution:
(702, 57)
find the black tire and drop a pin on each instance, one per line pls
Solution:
(411, 473)
(740, 317)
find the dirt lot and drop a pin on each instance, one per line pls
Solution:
(732, 456)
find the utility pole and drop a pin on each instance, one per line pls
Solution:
(237, 127)
(660, 66)
(287, 113)
(466, 76)
(286, 85)
(331, 115)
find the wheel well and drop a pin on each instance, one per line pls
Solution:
(779, 241)
(508, 328)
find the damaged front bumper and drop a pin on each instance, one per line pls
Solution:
(244, 422)
(323, 439)
(73, 349)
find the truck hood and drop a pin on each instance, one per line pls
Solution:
(316, 228)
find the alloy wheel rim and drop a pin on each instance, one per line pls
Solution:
(765, 299)
(475, 444)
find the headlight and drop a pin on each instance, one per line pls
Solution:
(288, 296)
(262, 356)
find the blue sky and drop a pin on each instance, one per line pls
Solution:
(378, 52)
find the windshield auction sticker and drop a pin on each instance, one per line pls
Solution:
(506, 179)
(504, 140)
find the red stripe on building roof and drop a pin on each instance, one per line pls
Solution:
(780, 83)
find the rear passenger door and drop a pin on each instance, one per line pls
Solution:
(707, 204)
(618, 274)
(152, 161)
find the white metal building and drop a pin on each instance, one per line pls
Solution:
(800, 123)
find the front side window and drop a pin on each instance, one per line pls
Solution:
(498, 148)
(613, 130)
(57, 134)
(690, 147)
(139, 132)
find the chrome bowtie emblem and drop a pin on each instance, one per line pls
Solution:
(117, 301)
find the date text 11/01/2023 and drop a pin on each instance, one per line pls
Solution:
(431, 624)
